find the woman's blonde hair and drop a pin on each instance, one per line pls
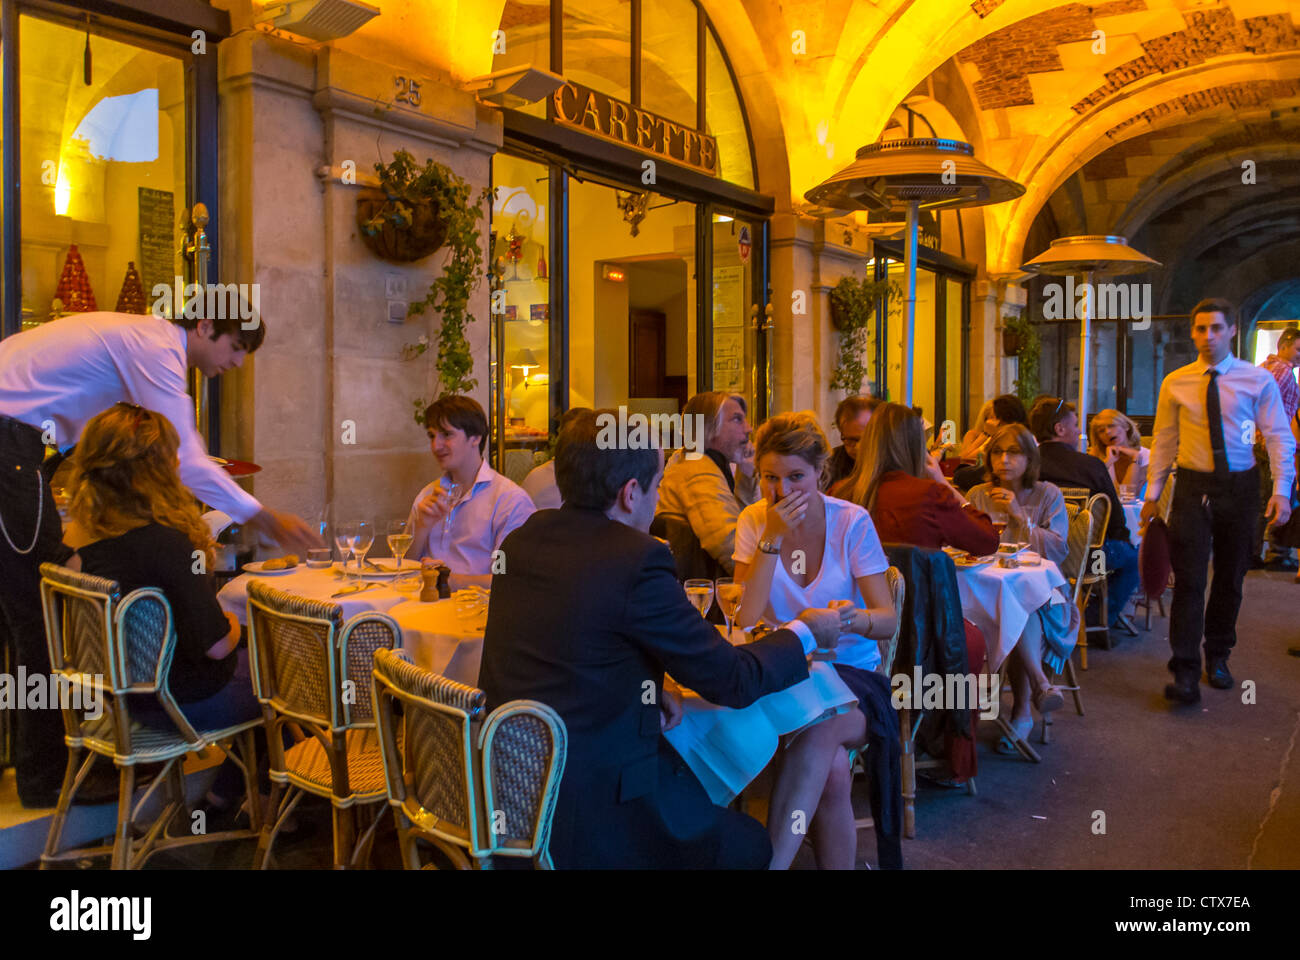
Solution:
(124, 475)
(793, 435)
(1104, 420)
(894, 440)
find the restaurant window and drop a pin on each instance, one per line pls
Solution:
(724, 118)
(669, 54)
(597, 43)
(521, 278)
(105, 167)
(525, 40)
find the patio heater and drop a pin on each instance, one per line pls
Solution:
(1090, 256)
(907, 176)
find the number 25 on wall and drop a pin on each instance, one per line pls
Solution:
(408, 90)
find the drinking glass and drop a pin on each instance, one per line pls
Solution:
(1029, 531)
(1000, 519)
(362, 540)
(452, 489)
(730, 593)
(700, 593)
(399, 541)
(1127, 492)
(343, 534)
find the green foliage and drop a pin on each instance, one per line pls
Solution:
(1031, 348)
(854, 303)
(449, 293)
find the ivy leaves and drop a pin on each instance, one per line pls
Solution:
(853, 307)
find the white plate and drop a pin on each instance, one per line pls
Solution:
(386, 572)
(256, 568)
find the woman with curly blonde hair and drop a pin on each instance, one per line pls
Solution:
(1114, 439)
(132, 521)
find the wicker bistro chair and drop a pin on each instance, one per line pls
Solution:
(1081, 533)
(472, 803)
(93, 633)
(312, 670)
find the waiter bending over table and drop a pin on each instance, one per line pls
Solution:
(1206, 420)
(52, 381)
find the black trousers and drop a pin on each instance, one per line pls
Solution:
(39, 752)
(1216, 517)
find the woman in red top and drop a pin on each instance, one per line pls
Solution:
(910, 501)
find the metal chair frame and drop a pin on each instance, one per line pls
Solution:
(115, 736)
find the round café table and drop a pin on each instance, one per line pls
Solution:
(432, 633)
(1000, 601)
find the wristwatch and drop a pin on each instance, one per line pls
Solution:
(768, 546)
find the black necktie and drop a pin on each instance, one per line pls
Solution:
(1214, 414)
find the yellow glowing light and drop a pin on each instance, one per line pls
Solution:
(62, 193)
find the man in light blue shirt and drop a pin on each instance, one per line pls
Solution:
(462, 517)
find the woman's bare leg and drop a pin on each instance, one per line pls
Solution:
(802, 781)
(834, 837)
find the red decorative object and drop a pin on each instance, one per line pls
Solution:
(74, 286)
(131, 299)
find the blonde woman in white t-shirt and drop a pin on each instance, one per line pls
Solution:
(797, 548)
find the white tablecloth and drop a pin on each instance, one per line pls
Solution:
(434, 636)
(999, 600)
(1132, 514)
(726, 749)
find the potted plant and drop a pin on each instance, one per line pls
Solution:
(1020, 339)
(450, 291)
(853, 307)
(406, 219)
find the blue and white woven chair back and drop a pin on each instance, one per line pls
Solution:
(363, 636)
(524, 747)
(146, 640)
(78, 612)
(293, 639)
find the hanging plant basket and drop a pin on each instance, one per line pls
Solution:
(397, 229)
(1011, 342)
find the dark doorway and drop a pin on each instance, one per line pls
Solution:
(648, 336)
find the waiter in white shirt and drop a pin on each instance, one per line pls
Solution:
(1206, 420)
(52, 381)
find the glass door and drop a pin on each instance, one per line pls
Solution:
(738, 360)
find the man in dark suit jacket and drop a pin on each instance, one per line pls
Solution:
(1056, 427)
(586, 618)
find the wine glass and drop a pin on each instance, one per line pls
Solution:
(730, 593)
(452, 489)
(343, 534)
(700, 593)
(362, 540)
(399, 541)
(1000, 520)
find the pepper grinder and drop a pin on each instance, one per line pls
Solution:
(434, 583)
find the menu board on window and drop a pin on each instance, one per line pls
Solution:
(157, 240)
(728, 329)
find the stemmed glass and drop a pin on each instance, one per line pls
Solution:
(343, 534)
(399, 541)
(700, 593)
(1000, 520)
(730, 593)
(452, 489)
(362, 540)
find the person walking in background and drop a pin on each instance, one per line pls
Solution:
(1281, 365)
(1206, 420)
(851, 418)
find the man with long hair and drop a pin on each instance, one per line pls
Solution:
(53, 380)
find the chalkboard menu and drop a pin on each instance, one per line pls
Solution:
(157, 240)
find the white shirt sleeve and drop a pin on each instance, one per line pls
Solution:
(158, 385)
(1164, 443)
(748, 528)
(804, 633)
(520, 508)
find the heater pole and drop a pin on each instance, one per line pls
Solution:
(909, 257)
(1085, 343)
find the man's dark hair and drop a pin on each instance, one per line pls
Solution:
(250, 339)
(1287, 337)
(1008, 409)
(850, 408)
(1047, 413)
(1216, 305)
(590, 473)
(462, 413)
